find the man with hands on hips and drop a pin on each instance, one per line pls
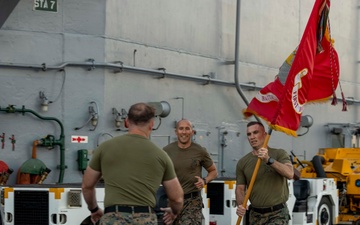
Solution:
(270, 191)
(189, 158)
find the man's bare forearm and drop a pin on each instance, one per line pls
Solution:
(285, 169)
(90, 197)
(176, 206)
(240, 195)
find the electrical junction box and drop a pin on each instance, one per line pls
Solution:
(82, 159)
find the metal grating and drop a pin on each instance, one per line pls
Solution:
(74, 198)
(31, 207)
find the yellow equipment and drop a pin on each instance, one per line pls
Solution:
(343, 165)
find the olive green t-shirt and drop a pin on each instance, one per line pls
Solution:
(133, 169)
(270, 188)
(188, 163)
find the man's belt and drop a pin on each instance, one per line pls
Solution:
(269, 209)
(191, 195)
(129, 209)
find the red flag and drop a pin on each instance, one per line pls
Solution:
(309, 74)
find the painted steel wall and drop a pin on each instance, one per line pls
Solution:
(193, 38)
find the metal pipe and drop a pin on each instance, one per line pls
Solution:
(237, 51)
(119, 67)
(50, 142)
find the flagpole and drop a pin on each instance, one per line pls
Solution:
(252, 181)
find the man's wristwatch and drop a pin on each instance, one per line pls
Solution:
(94, 210)
(204, 179)
(270, 161)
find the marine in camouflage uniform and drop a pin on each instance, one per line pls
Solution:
(270, 191)
(132, 168)
(189, 158)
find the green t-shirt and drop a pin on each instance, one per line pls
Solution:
(270, 188)
(133, 169)
(188, 163)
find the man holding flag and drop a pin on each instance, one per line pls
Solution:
(270, 192)
(309, 74)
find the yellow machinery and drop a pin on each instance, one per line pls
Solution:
(342, 164)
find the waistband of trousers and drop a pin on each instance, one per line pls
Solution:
(269, 209)
(191, 194)
(129, 209)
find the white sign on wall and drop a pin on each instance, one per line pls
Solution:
(79, 139)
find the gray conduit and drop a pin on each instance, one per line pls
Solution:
(119, 67)
(237, 50)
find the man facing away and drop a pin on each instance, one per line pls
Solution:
(189, 158)
(270, 191)
(133, 169)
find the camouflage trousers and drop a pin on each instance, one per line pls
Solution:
(278, 217)
(121, 218)
(191, 214)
